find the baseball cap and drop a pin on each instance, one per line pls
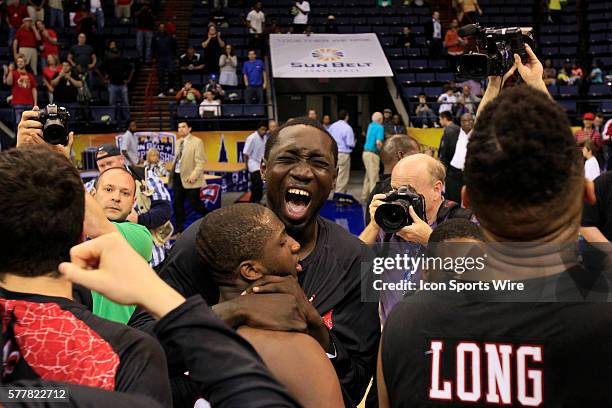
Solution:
(589, 116)
(109, 149)
(213, 77)
(27, 19)
(388, 111)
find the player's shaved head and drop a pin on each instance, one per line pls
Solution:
(524, 177)
(230, 235)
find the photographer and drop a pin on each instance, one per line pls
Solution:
(425, 176)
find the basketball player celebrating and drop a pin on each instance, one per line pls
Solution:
(241, 245)
(300, 168)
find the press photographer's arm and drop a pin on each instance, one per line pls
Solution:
(532, 73)
(369, 234)
(30, 131)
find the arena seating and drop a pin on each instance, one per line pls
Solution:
(414, 71)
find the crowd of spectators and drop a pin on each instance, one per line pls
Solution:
(96, 64)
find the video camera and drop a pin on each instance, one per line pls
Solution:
(55, 124)
(393, 214)
(496, 48)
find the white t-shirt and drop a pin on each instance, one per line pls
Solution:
(591, 169)
(95, 5)
(446, 102)
(256, 19)
(458, 160)
(129, 144)
(301, 18)
(255, 147)
(212, 106)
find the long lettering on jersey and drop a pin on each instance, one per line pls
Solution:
(502, 373)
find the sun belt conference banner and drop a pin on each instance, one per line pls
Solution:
(328, 56)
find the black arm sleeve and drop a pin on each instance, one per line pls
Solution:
(226, 366)
(159, 213)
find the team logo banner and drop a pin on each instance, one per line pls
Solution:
(164, 142)
(328, 56)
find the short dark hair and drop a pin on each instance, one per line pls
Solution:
(185, 121)
(230, 235)
(97, 182)
(600, 115)
(273, 137)
(42, 207)
(422, 94)
(521, 140)
(446, 115)
(589, 145)
(342, 114)
(399, 143)
(261, 124)
(456, 228)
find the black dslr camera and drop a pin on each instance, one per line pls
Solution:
(55, 124)
(496, 48)
(393, 214)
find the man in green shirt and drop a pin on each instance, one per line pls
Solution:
(115, 192)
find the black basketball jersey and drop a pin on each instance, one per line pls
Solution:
(438, 351)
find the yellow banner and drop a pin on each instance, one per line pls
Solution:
(212, 143)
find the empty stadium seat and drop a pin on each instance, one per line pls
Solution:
(254, 110)
(406, 78)
(599, 90)
(568, 90)
(606, 106)
(187, 110)
(98, 111)
(569, 106)
(411, 91)
(231, 110)
(425, 77)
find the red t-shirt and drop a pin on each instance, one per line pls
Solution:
(25, 38)
(23, 83)
(592, 135)
(171, 28)
(123, 2)
(48, 72)
(48, 47)
(16, 14)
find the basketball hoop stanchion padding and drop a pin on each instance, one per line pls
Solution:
(346, 211)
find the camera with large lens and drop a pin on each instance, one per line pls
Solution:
(495, 50)
(393, 214)
(55, 124)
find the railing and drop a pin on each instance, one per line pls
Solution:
(223, 113)
(105, 118)
(148, 96)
